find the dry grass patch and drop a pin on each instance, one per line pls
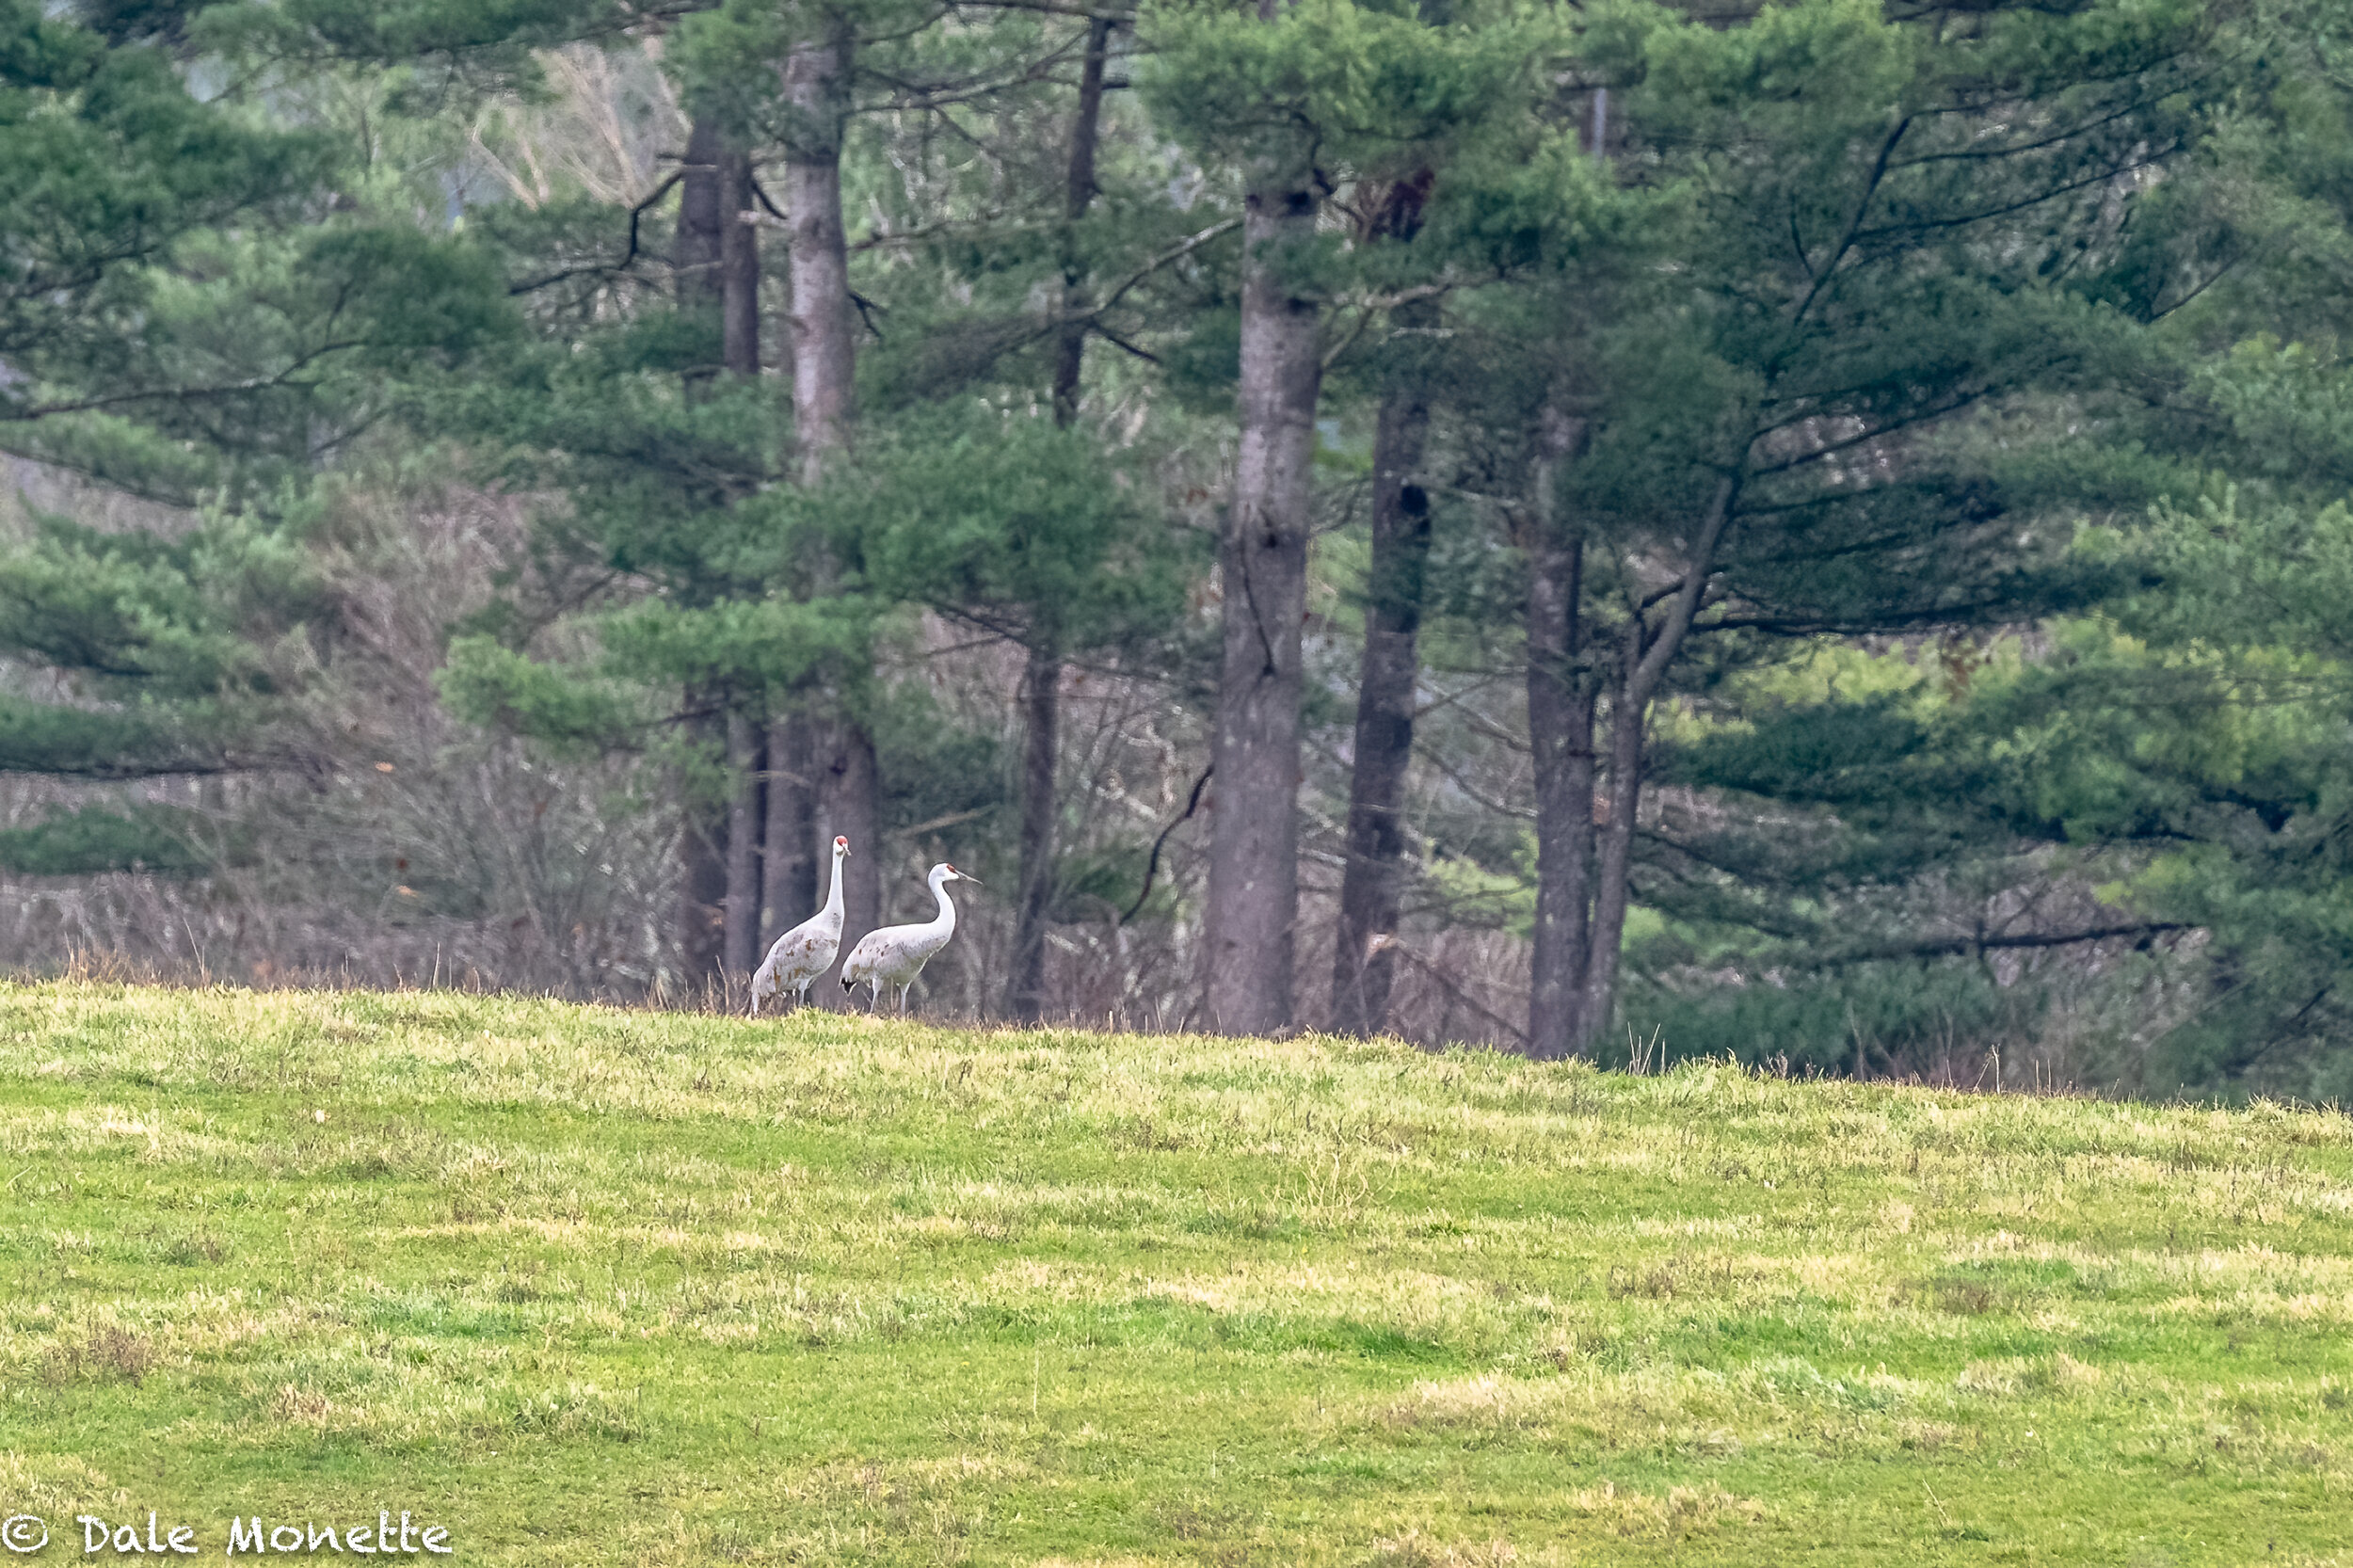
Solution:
(102, 1352)
(52, 1484)
(1680, 1512)
(1415, 1549)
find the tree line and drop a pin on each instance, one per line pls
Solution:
(1815, 525)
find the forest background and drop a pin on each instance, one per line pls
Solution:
(1815, 531)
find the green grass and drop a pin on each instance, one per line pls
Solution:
(589, 1286)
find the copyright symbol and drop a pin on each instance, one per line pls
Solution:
(24, 1532)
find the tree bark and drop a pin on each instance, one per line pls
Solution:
(788, 858)
(702, 828)
(1562, 707)
(694, 256)
(1391, 670)
(742, 899)
(703, 875)
(1078, 195)
(1025, 992)
(817, 97)
(739, 266)
(1584, 869)
(726, 196)
(1252, 906)
(1613, 864)
(1561, 729)
(1643, 664)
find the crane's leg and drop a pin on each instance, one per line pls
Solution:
(903, 999)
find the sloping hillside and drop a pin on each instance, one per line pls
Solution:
(589, 1286)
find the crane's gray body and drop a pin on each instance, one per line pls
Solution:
(807, 950)
(895, 954)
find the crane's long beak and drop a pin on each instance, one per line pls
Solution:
(968, 876)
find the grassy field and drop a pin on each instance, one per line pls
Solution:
(585, 1286)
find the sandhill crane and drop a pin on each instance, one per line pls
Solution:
(807, 950)
(895, 954)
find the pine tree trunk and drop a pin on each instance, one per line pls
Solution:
(694, 256)
(1562, 711)
(1370, 887)
(1253, 911)
(1025, 990)
(789, 841)
(702, 829)
(1614, 861)
(1025, 993)
(739, 314)
(742, 900)
(1650, 647)
(1561, 728)
(1079, 193)
(817, 93)
(703, 875)
(738, 268)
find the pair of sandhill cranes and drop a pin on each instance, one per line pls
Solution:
(893, 955)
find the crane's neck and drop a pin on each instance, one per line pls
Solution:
(946, 921)
(833, 898)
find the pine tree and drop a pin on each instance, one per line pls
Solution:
(176, 323)
(1022, 527)
(1301, 100)
(767, 614)
(1865, 245)
(1042, 670)
(2126, 794)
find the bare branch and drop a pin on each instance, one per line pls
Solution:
(1829, 269)
(1152, 865)
(627, 256)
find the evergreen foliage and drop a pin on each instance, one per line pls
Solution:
(1816, 526)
